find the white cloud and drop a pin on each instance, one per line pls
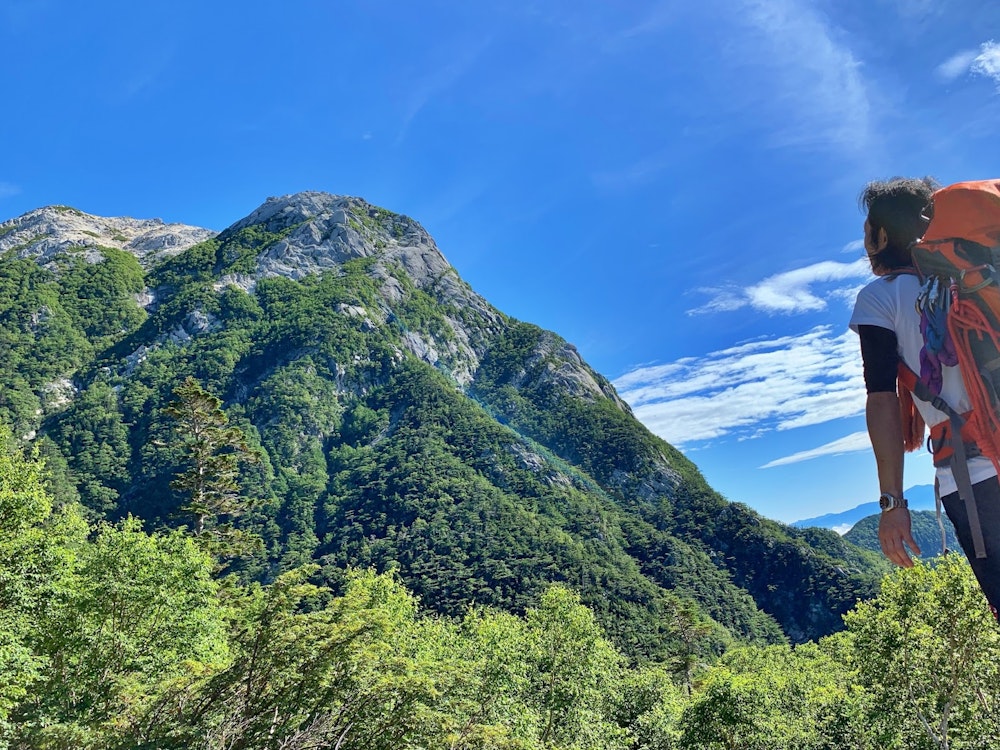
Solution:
(790, 292)
(8, 190)
(982, 62)
(818, 90)
(956, 65)
(856, 441)
(750, 389)
(987, 62)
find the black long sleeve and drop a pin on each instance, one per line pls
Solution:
(879, 353)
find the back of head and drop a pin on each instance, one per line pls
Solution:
(902, 207)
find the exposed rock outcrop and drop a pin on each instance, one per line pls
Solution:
(47, 232)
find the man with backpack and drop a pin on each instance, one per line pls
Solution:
(904, 335)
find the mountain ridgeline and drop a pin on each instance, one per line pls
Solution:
(400, 421)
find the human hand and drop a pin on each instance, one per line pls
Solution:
(893, 533)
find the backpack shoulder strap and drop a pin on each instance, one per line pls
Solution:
(959, 462)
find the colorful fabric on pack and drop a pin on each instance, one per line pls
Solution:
(938, 350)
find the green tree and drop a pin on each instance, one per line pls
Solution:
(37, 557)
(775, 697)
(142, 611)
(691, 627)
(213, 450)
(501, 709)
(100, 296)
(928, 651)
(94, 437)
(361, 672)
(574, 663)
(649, 705)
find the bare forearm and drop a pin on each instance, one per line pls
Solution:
(886, 433)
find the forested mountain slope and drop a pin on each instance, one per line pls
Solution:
(399, 421)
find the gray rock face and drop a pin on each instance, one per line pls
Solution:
(322, 231)
(319, 232)
(564, 368)
(47, 232)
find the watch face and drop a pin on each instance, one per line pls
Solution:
(888, 502)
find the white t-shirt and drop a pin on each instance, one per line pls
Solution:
(890, 302)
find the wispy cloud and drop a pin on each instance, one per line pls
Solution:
(441, 206)
(819, 92)
(956, 65)
(660, 16)
(918, 9)
(987, 62)
(750, 389)
(856, 441)
(147, 70)
(437, 82)
(982, 62)
(789, 292)
(782, 64)
(638, 173)
(8, 190)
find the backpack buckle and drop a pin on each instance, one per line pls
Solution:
(988, 272)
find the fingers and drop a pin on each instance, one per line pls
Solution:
(892, 548)
(894, 537)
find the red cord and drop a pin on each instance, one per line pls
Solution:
(965, 320)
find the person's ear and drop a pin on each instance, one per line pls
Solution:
(882, 240)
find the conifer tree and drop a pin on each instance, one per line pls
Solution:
(213, 451)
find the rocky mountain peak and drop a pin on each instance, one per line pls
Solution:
(316, 232)
(311, 233)
(47, 232)
(279, 213)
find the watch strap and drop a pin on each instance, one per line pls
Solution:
(888, 501)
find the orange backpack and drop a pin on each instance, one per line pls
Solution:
(958, 260)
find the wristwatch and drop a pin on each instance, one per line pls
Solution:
(887, 501)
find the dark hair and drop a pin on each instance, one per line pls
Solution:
(902, 207)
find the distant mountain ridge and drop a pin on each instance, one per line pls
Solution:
(403, 423)
(919, 497)
(859, 525)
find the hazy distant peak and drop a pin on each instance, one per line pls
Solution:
(46, 232)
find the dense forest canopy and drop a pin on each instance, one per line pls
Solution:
(115, 637)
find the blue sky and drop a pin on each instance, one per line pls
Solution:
(670, 186)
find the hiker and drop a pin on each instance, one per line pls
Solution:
(888, 323)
